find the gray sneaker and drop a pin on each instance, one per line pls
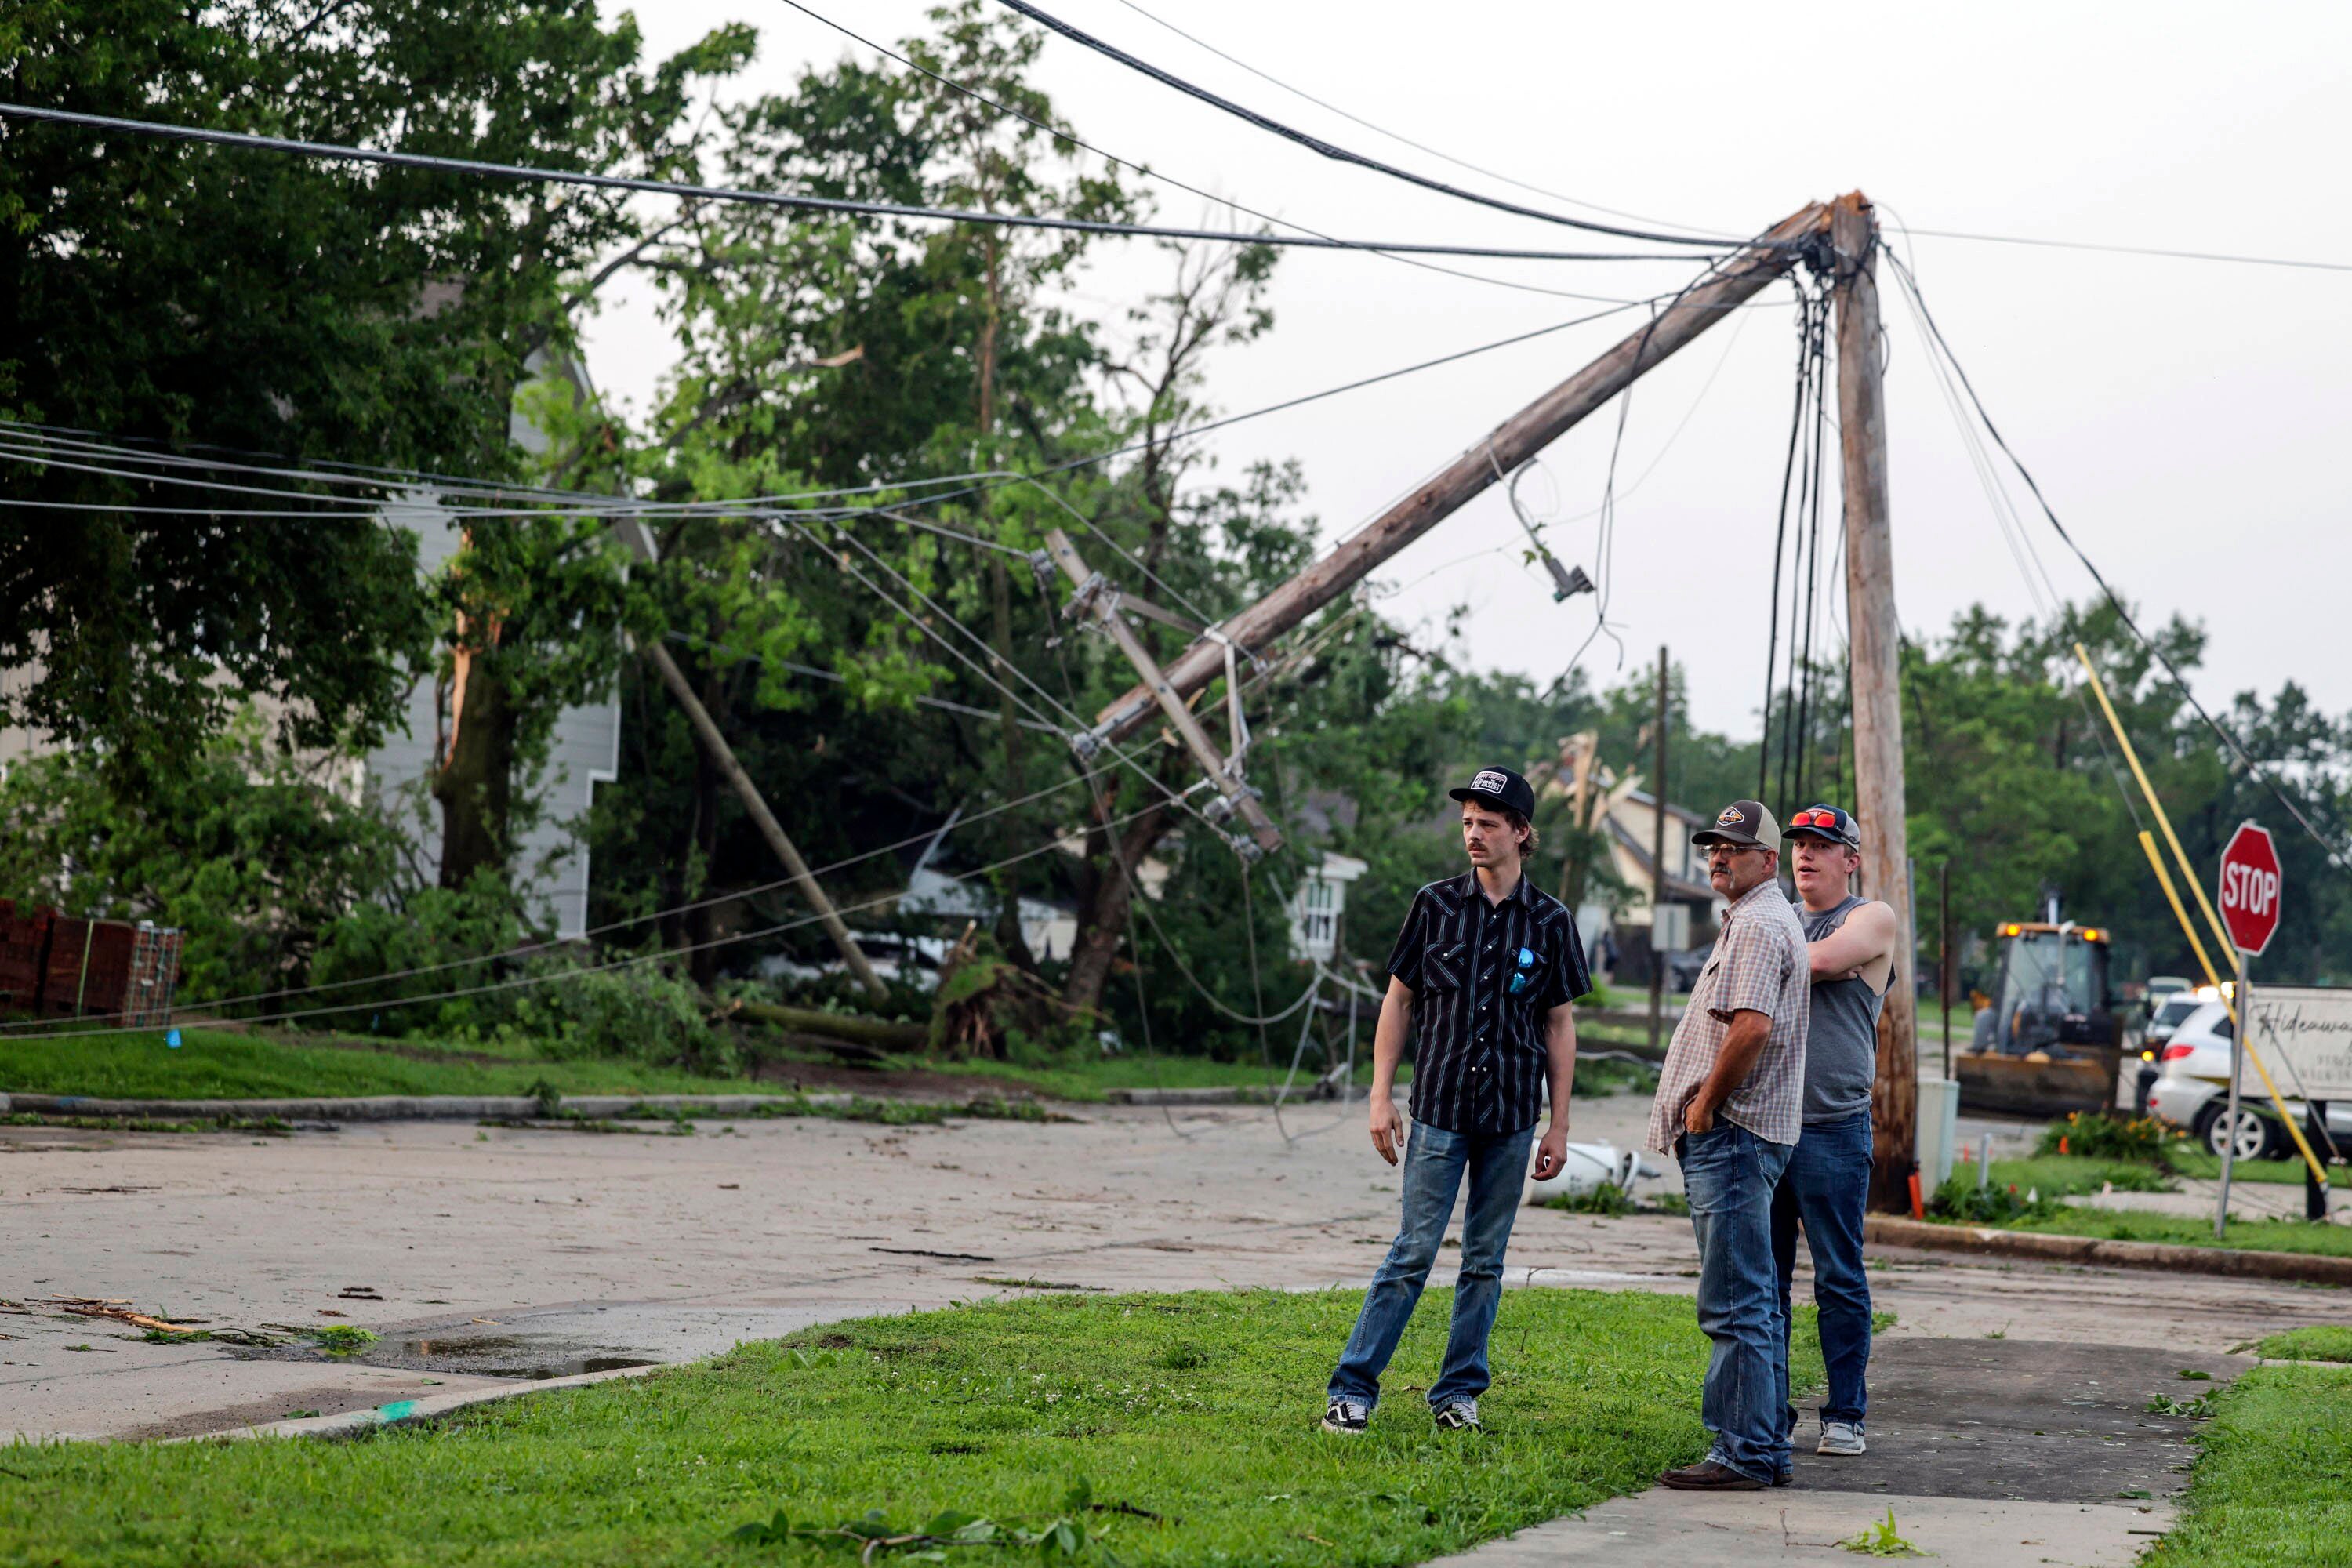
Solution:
(1349, 1417)
(1840, 1437)
(1457, 1415)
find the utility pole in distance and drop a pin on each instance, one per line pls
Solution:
(706, 730)
(1876, 675)
(1658, 867)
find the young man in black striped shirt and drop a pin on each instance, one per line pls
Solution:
(1481, 975)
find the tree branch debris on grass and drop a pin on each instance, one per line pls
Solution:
(874, 1536)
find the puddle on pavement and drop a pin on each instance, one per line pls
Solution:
(475, 1355)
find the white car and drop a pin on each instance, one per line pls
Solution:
(2192, 1091)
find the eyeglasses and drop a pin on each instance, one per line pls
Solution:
(1827, 817)
(1727, 851)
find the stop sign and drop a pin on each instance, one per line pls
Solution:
(2250, 888)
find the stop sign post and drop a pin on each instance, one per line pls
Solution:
(2251, 885)
(2250, 888)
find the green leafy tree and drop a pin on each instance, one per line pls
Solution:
(253, 859)
(207, 298)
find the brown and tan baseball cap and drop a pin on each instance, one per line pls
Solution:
(1744, 823)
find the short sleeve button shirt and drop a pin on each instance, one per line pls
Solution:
(1760, 965)
(1484, 976)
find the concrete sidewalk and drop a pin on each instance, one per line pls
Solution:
(1989, 1453)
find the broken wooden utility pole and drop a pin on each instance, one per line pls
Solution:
(1095, 595)
(706, 730)
(1510, 444)
(1876, 673)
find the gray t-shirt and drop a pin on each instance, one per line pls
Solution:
(1841, 1040)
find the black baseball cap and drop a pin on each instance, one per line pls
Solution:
(1829, 823)
(1499, 787)
(1744, 823)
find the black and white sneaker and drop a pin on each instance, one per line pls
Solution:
(1347, 1417)
(1457, 1415)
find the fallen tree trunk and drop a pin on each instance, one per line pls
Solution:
(880, 1033)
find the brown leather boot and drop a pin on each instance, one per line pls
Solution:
(1706, 1476)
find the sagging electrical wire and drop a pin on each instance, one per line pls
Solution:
(555, 977)
(342, 153)
(2228, 737)
(1342, 155)
(2014, 535)
(527, 950)
(1146, 172)
(966, 485)
(1806, 349)
(1378, 129)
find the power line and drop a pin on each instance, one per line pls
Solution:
(2129, 249)
(978, 483)
(2227, 736)
(1342, 155)
(1378, 129)
(35, 451)
(553, 977)
(529, 173)
(1059, 135)
(1437, 153)
(736, 895)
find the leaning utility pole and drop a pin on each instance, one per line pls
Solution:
(1504, 449)
(706, 731)
(1095, 596)
(1876, 673)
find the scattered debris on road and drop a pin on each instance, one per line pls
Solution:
(119, 1309)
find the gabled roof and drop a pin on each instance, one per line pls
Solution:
(1683, 812)
(1676, 888)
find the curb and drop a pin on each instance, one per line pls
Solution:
(2293, 1267)
(1244, 1094)
(409, 1108)
(358, 1423)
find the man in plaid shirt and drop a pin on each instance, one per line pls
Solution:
(1730, 1104)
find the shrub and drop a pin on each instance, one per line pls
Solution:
(2101, 1136)
(1960, 1198)
(254, 859)
(453, 935)
(640, 1012)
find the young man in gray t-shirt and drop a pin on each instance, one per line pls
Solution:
(1826, 1186)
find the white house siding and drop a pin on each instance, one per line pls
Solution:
(585, 750)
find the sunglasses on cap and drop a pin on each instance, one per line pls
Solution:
(1826, 819)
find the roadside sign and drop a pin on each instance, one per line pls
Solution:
(2250, 888)
(2304, 1032)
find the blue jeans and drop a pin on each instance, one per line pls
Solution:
(1826, 1189)
(1434, 1161)
(1729, 1175)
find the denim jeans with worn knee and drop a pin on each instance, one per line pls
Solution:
(1728, 1174)
(1825, 1190)
(1435, 1162)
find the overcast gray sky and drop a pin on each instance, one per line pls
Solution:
(2187, 419)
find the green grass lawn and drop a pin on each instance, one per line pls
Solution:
(2062, 1175)
(212, 1063)
(1199, 1409)
(2132, 1224)
(219, 1065)
(2290, 1171)
(2273, 1487)
(2319, 1342)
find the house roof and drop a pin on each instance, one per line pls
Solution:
(1676, 888)
(1683, 812)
